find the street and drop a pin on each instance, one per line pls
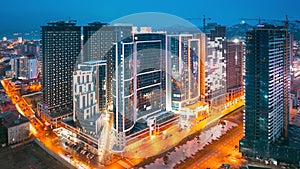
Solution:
(46, 137)
(137, 151)
(223, 151)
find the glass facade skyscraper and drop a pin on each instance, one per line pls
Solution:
(138, 80)
(267, 83)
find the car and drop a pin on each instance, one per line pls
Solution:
(92, 156)
(226, 165)
(80, 149)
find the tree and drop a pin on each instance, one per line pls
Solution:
(165, 159)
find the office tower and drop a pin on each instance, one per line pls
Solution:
(138, 81)
(184, 55)
(60, 50)
(150, 73)
(89, 86)
(267, 91)
(24, 67)
(234, 69)
(215, 69)
(98, 41)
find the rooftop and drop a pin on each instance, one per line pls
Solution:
(198, 104)
(60, 113)
(12, 118)
(70, 122)
(62, 23)
(97, 24)
(93, 62)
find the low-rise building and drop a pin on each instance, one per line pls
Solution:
(3, 97)
(16, 125)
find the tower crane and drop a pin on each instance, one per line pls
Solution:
(286, 21)
(286, 92)
(204, 19)
(286, 25)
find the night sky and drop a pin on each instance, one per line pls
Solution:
(20, 15)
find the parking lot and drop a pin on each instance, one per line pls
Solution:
(79, 149)
(29, 155)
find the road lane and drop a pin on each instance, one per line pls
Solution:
(219, 152)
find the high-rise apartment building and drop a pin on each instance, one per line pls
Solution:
(94, 40)
(267, 83)
(61, 45)
(234, 69)
(215, 68)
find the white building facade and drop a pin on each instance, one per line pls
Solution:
(24, 67)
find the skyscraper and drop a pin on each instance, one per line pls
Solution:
(61, 47)
(234, 69)
(137, 79)
(267, 91)
(94, 41)
(139, 84)
(184, 55)
(215, 69)
(99, 39)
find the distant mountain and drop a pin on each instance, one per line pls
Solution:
(238, 31)
(295, 30)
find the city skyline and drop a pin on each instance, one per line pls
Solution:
(139, 88)
(32, 14)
